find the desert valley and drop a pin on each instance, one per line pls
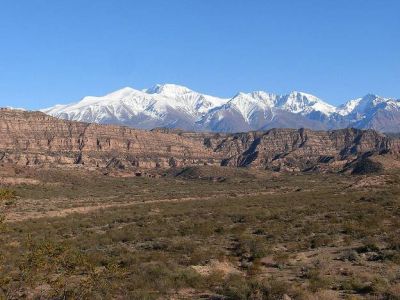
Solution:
(95, 211)
(200, 150)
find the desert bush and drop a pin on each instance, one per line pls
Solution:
(281, 258)
(316, 281)
(7, 194)
(148, 251)
(320, 240)
(357, 285)
(350, 255)
(250, 248)
(236, 287)
(368, 246)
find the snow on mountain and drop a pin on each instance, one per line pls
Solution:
(348, 107)
(124, 105)
(361, 107)
(249, 104)
(372, 111)
(175, 106)
(261, 110)
(187, 99)
(120, 104)
(298, 102)
(261, 104)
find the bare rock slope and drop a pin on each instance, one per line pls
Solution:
(34, 138)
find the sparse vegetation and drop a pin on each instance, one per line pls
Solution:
(86, 235)
(7, 194)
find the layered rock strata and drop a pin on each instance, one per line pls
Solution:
(33, 138)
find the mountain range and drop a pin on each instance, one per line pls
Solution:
(174, 106)
(37, 139)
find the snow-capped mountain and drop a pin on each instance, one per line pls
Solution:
(175, 106)
(166, 105)
(365, 105)
(372, 111)
(260, 110)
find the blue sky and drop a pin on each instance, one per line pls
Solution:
(59, 51)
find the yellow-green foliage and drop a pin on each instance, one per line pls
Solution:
(7, 194)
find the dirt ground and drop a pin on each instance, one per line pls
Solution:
(230, 234)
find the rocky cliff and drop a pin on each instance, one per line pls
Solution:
(302, 149)
(33, 138)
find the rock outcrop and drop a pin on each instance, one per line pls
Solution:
(302, 149)
(33, 138)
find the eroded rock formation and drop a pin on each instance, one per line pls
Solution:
(33, 138)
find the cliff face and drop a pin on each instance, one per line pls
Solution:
(303, 149)
(33, 138)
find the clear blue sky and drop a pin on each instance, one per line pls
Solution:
(59, 51)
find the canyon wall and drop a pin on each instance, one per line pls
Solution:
(33, 138)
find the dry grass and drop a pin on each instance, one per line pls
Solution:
(253, 235)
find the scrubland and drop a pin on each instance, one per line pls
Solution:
(199, 233)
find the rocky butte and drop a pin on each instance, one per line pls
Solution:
(37, 139)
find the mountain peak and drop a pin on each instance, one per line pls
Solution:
(303, 103)
(297, 94)
(241, 94)
(255, 95)
(168, 89)
(121, 92)
(370, 96)
(173, 106)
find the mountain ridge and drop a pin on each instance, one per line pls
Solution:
(175, 106)
(37, 139)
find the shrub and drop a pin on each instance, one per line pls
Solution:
(238, 287)
(355, 284)
(7, 194)
(316, 280)
(250, 247)
(320, 240)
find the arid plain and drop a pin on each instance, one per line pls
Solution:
(246, 216)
